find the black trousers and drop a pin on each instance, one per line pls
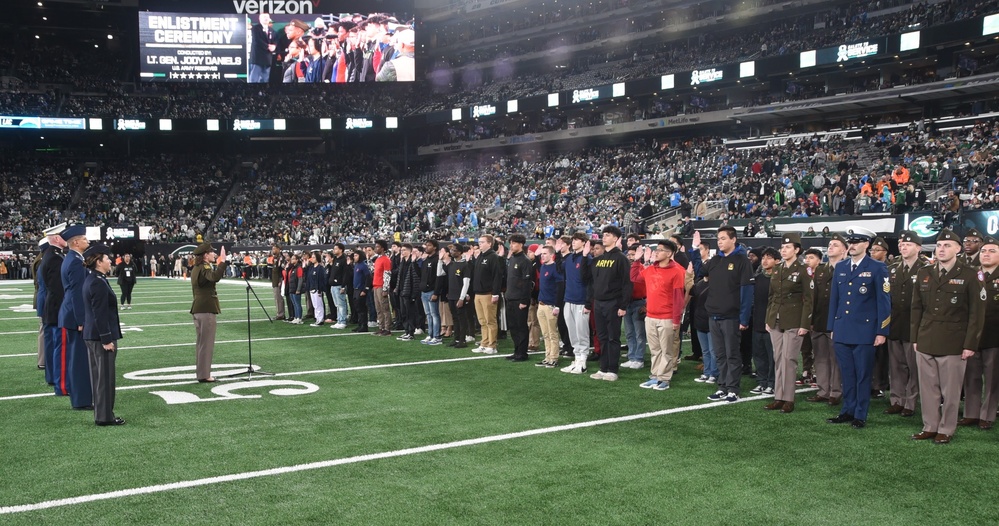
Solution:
(330, 306)
(516, 323)
(361, 311)
(462, 321)
(608, 325)
(408, 314)
(126, 293)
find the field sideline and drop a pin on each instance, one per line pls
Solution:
(355, 429)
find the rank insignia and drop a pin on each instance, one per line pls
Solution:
(886, 287)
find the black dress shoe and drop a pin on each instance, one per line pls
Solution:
(518, 359)
(42, 367)
(512, 357)
(593, 357)
(460, 345)
(116, 422)
(84, 408)
(207, 380)
(841, 419)
(858, 424)
(566, 353)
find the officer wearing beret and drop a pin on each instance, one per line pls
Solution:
(827, 375)
(901, 357)
(789, 317)
(972, 246)
(982, 372)
(101, 332)
(205, 308)
(71, 318)
(948, 311)
(859, 315)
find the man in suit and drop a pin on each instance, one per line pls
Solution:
(789, 318)
(50, 271)
(262, 47)
(101, 332)
(948, 312)
(901, 356)
(71, 318)
(859, 315)
(205, 307)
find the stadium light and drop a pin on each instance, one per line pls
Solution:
(166, 125)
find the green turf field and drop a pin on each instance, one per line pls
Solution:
(357, 429)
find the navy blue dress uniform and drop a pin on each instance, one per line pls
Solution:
(41, 292)
(51, 275)
(101, 329)
(71, 321)
(860, 310)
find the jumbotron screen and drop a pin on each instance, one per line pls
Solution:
(277, 42)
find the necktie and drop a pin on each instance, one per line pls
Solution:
(853, 267)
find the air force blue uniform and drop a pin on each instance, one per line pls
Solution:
(859, 310)
(70, 318)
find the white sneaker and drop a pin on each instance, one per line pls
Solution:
(426, 340)
(372, 324)
(636, 365)
(469, 339)
(574, 368)
(599, 375)
(418, 331)
(711, 380)
(297, 321)
(701, 379)
(340, 326)
(610, 377)
(489, 350)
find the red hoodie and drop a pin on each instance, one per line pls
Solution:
(664, 290)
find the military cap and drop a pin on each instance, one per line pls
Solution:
(879, 242)
(948, 235)
(43, 243)
(97, 249)
(791, 237)
(203, 248)
(989, 240)
(299, 24)
(908, 236)
(72, 231)
(973, 233)
(836, 236)
(55, 230)
(860, 234)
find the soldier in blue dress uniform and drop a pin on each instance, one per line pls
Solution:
(859, 316)
(71, 318)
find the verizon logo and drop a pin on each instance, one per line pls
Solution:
(275, 7)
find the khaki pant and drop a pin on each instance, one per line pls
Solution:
(940, 380)
(827, 374)
(204, 326)
(486, 310)
(982, 365)
(904, 376)
(383, 310)
(446, 319)
(787, 350)
(660, 335)
(534, 328)
(278, 301)
(548, 325)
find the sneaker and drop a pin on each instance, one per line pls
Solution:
(574, 368)
(405, 338)
(711, 380)
(768, 391)
(478, 349)
(488, 350)
(418, 332)
(648, 384)
(469, 339)
(732, 397)
(317, 324)
(701, 379)
(435, 341)
(627, 365)
(610, 377)
(426, 340)
(372, 324)
(297, 321)
(632, 364)
(599, 375)
(717, 397)
(542, 363)
(340, 326)
(756, 390)
(661, 386)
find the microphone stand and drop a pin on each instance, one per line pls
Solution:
(249, 372)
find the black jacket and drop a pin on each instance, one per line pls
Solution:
(54, 293)
(612, 278)
(519, 278)
(338, 276)
(487, 274)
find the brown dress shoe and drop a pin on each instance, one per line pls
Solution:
(967, 422)
(895, 409)
(788, 407)
(924, 435)
(985, 425)
(817, 398)
(942, 439)
(772, 406)
(834, 401)
(907, 412)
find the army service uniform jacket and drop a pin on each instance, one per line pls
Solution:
(948, 311)
(792, 297)
(203, 280)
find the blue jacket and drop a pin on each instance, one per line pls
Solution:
(362, 275)
(100, 307)
(73, 274)
(578, 290)
(859, 302)
(315, 277)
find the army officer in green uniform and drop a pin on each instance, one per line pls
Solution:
(208, 269)
(789, 318)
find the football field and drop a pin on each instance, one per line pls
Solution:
(358, 429)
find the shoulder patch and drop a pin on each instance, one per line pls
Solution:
(981, 276)
(810, 271)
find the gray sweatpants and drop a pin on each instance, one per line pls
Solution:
(579, 329)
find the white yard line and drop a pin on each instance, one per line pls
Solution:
(246, 475)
